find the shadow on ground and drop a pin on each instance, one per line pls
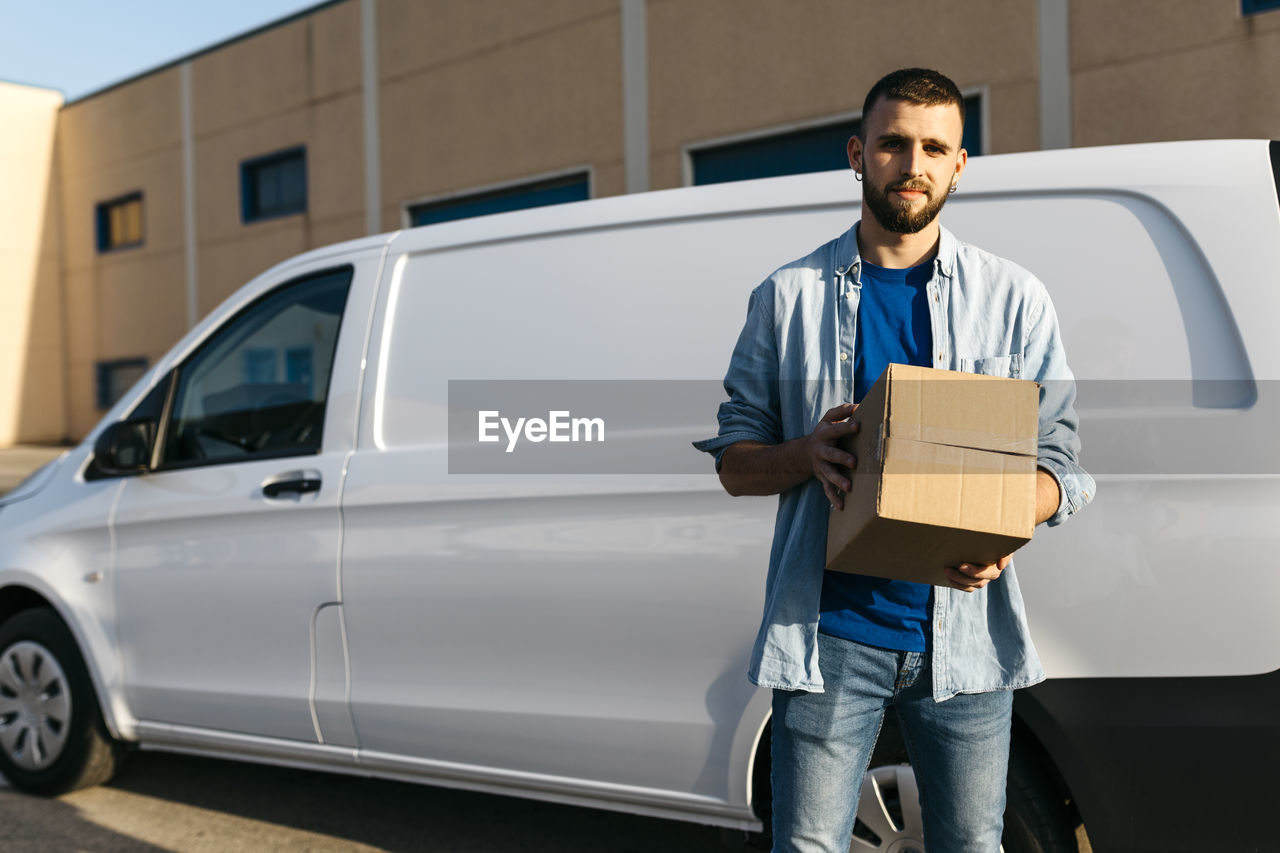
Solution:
(169, 802)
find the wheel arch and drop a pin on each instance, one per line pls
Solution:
(1036, 732)
(25, 593)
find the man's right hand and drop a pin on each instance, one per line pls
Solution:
(753, 468)
(826, 457)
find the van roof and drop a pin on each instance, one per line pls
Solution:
(1147, 169)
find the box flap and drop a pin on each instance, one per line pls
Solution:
(960, 409)
(957, 487)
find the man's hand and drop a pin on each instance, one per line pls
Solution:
(825, 457)
(754, 468)
(968, 577)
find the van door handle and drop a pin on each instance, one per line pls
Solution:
(295, 482)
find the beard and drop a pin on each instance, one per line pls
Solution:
(896, 216)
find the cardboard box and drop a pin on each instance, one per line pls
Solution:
(946, 475)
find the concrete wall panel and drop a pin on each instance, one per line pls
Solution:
(335, 159)
(1198, 93)
(1107, 33)
(81, 351)
(416, 35)
(1011, 117)
(335, 55)
(82, 414)
(542, 104)
(337, 230)
(141, 306)
(721, 68)
(31, 367)
(129, 122)
(228, 265)
(253, 79)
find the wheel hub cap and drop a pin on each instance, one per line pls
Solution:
(889, 812)
(35, 706)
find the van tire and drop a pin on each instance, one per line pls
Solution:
(38, 653)
(1036, 816)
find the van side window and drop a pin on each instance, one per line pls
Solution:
(257, 388)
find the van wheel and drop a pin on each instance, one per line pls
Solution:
(1036, 817)
(52, 737)
(1035, 821)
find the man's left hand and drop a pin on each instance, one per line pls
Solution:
(968, 577)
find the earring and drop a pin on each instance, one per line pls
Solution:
(953, 188)
(857, 176)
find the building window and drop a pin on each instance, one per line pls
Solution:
(120, 223)
(274, 185)
(575, 187)
(116, 377)
(1253, 7)
(810, 149)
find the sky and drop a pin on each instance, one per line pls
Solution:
(81, 46)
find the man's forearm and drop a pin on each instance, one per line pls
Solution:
(1048, 496)
(755, 468)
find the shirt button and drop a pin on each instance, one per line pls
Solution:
(844, 356)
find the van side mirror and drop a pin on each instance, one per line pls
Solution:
(125, 447)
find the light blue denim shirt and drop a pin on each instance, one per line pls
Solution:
(988, 316)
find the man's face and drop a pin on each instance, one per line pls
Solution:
(910, 159)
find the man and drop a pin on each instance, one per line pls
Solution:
(836, 648)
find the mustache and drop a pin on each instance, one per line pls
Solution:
(912, 185)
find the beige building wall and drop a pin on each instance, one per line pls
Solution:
(722, 68)
(294, 85)
(32, 393)
(494, 91)
(1147, 70)
(128, 302)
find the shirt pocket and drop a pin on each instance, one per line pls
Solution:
(1009, 366)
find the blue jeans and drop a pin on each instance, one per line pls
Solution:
(822, 744)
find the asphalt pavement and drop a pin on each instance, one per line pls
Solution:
(163, 802)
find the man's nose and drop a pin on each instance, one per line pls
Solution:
(913, 161)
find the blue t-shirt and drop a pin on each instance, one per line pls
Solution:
(893, 326)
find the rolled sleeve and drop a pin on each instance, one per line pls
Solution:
(1059, 439)
(752, 412)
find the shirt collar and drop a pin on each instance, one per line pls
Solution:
(847, 251)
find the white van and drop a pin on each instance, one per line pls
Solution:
(319, 533)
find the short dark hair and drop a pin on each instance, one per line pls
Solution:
(921, 86)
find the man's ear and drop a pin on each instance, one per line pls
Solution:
(855, 153)
(962, 159)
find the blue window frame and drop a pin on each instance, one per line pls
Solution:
(534, 194)
(274, 185)
(119, 222)
(1253, 7)
(115, 377)
(814, 149)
